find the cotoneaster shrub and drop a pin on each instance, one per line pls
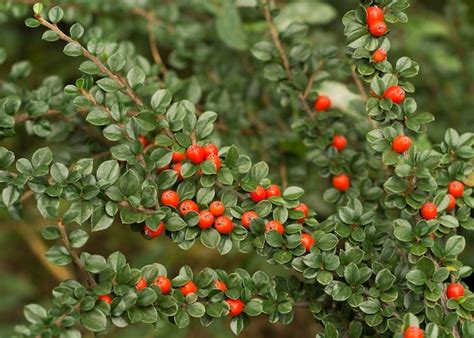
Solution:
(385, 264)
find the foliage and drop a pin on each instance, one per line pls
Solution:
(375, 266)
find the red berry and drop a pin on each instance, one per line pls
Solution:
(275, 226)
(206, 219)
(379, 55)
(105, 298)
(211, 149)
(339, 142)
(452, 202)
(154, 233)
(395, 93)
(341, 182)
(178, 157)
(247, 218)
(413, 332)
(304, 208)
(455, 291)
(307, 240)
(177, 167)
(188, 206)
(258, 194)
(220, 285)
(170, 198)
(456, 188)
(322, 103)
(196, 154)
(374, 14)
(163, 283)
(142, 140)
(141, 284)
(159, 170)
(429, 210)
(401, 143)
(217, 208)
(188, 288)
(273, 191)
(224, 225)
(378, 28)
(236, 306)
(216, 160)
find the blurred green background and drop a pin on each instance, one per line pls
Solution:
(439, 35)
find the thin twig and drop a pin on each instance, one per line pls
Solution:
(363, 94)
(122, 84)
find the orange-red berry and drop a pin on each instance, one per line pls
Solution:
(211, 148)
(163, 283)
(217, 208)
(378, 28)
(341, 182)
(224, 225)
(456, 188)
(339, 142)
(452, 202)
(247, 218)
(105, 298)
(206, 219)
(142, 140)
(401, 143)
(455, 291)
(307, 240)
(236, 306)
(170, 198)
(272, 191)
(258, 194)
(394, 93)
(177, 168)
(413, 332)
(141, 284)
(429, 210)
(379, 55)
(196, 154)
(374, 14)
(304, 208)
(220, 285)
(322, 103)
(178, 157)
(188, 206)
(154, 233)
(188, 288)
(217, 161)
(274, 226)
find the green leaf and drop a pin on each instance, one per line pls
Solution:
(210, 238)
(455, 245)
(116, 61)
(35, 313)
(59, 172)
(135, 77)
(293, 193)
(229, 26)
(384, 280)
(78, 238)
(196, 310)
(58, 255)
(108, 85)
(10, 195)
(55, 14)
(94, 320)
(76, 31)
(72, 49)
(416, 277)
(41, 157)
(129, 183)
(161, 99)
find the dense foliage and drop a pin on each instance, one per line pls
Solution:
(132, 141)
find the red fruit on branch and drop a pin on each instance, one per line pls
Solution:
(220, 285)
(258, 194)
(413, 332)
(247, 218)
(177, 168)
(341, 182)
(216, 160)
(429, 211)
(401, 143)
(322, 103)
(188, 206)
(170, 198)
(163, 283)
(178, 157)
(224, 225)
(104, 298)
(141, 284)
(211, 148)
(452, 202)
(378, 28)
(217, 208)
(455, 291)
(456, 188)
(307, 240)
(273, 191)
(374, 14)
(274, 226)
(188, 288)
(304, 208)
(236, 306)
(379, 55)
(196, 154)
(143, 140)
(395, 93)
(154, 233)
(206, 219)
(339, 142)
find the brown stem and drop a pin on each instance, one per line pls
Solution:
(75, 257)
(122, 84)
(363, 94)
